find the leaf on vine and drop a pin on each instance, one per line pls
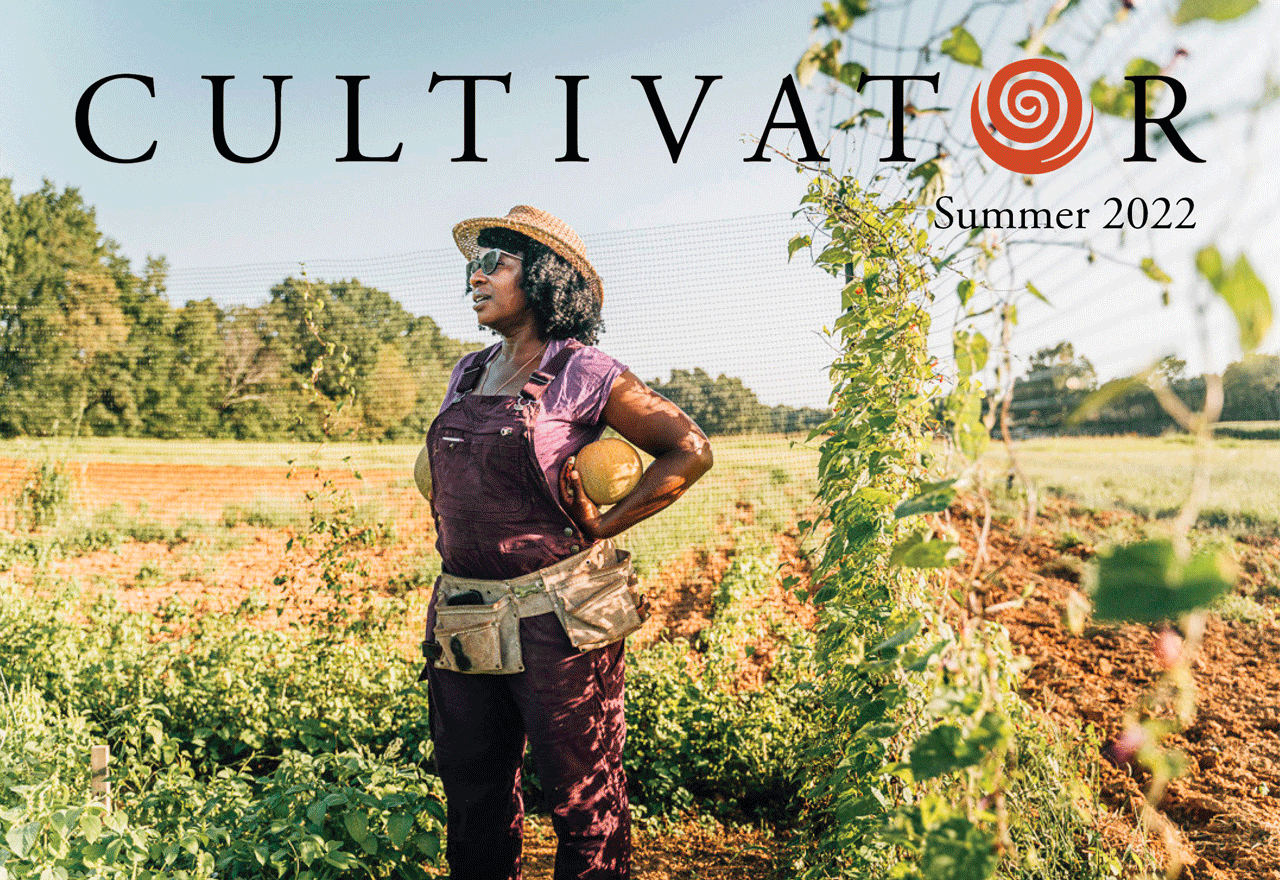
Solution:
(850, 73)
(916, 552)
(811, 61)
(965, 290)
(876, 498)
(1146, 582)
(1044, 50)
(1209, 264)
(1097, 401)
(357, 824)
(900, 638)
(1214, 10)
(933, 179)
(1247, 297)
(971, 352)
(22, 837)
(398, 828)
(859, 118)
(1154, 272)
(991, 732)
(800, 241)
(1117, 99)
(931, 498)
(962, 47)
(841, 15)
(935, 753)
(1035, 291)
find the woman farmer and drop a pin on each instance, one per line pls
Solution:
(524, 632)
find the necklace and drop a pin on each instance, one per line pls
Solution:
(519, 370)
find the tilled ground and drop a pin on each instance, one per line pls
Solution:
(1225, 809)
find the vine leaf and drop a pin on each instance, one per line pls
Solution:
(840, 15)
(1243, 292)
(1215, 10)
(971, 351)
(935, 753)
(901, 637)
(859, 118)
(931, 498)
(916, 552)
(1044, 50)
(933, 179)
(1209, 264)
(398, 828)
(1146, 582)
(1035, 291)
(22, 837)
(850, 73)
(800, 241)
(962, 47)
(816, 58)
(1098, 400)
(1154, 272)
(1117, 100)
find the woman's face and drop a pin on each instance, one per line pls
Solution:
(497, 298)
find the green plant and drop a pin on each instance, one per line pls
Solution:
(264, 511)
(44, 497)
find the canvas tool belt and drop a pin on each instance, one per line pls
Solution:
(589, 592)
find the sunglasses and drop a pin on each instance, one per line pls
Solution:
(488, 262)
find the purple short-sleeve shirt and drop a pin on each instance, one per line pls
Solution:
(573, 405)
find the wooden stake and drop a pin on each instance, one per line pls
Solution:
(99, 758)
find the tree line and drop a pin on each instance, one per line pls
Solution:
(90, 346)
(1058, 380)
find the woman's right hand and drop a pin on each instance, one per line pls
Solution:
(681, 454)
(580, 508)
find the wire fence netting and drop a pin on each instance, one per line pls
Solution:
(723, 297)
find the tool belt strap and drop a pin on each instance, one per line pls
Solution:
(532, 592)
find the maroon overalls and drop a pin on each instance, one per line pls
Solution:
(496, 518)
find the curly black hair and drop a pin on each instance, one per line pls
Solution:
(563, 306)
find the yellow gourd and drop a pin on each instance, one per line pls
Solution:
(610, 469)
(422, 473)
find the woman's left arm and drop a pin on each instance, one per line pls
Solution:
(681, 454)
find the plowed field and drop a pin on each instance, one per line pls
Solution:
(1225, 809)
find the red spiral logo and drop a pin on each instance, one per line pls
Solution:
(1036, 111)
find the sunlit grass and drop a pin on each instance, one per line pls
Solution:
(1152, 476)
(215, 453)
(769, 476)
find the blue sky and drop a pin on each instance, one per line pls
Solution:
(199, 210)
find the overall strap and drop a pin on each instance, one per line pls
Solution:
(471, 372)
(541, 378)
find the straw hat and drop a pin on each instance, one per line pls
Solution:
(541, 227)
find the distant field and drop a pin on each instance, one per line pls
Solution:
(218, 453)
(758, 481)
(1152, 476)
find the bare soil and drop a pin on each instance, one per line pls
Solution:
(1225, 809)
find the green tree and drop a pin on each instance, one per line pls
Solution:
(62, 326)
(1251, 389)
(391, 390)
(1056, 383)
(723, 405)
(354, 326)
(431, 356)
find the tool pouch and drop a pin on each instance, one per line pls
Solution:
(597, 607)
(482, 639)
